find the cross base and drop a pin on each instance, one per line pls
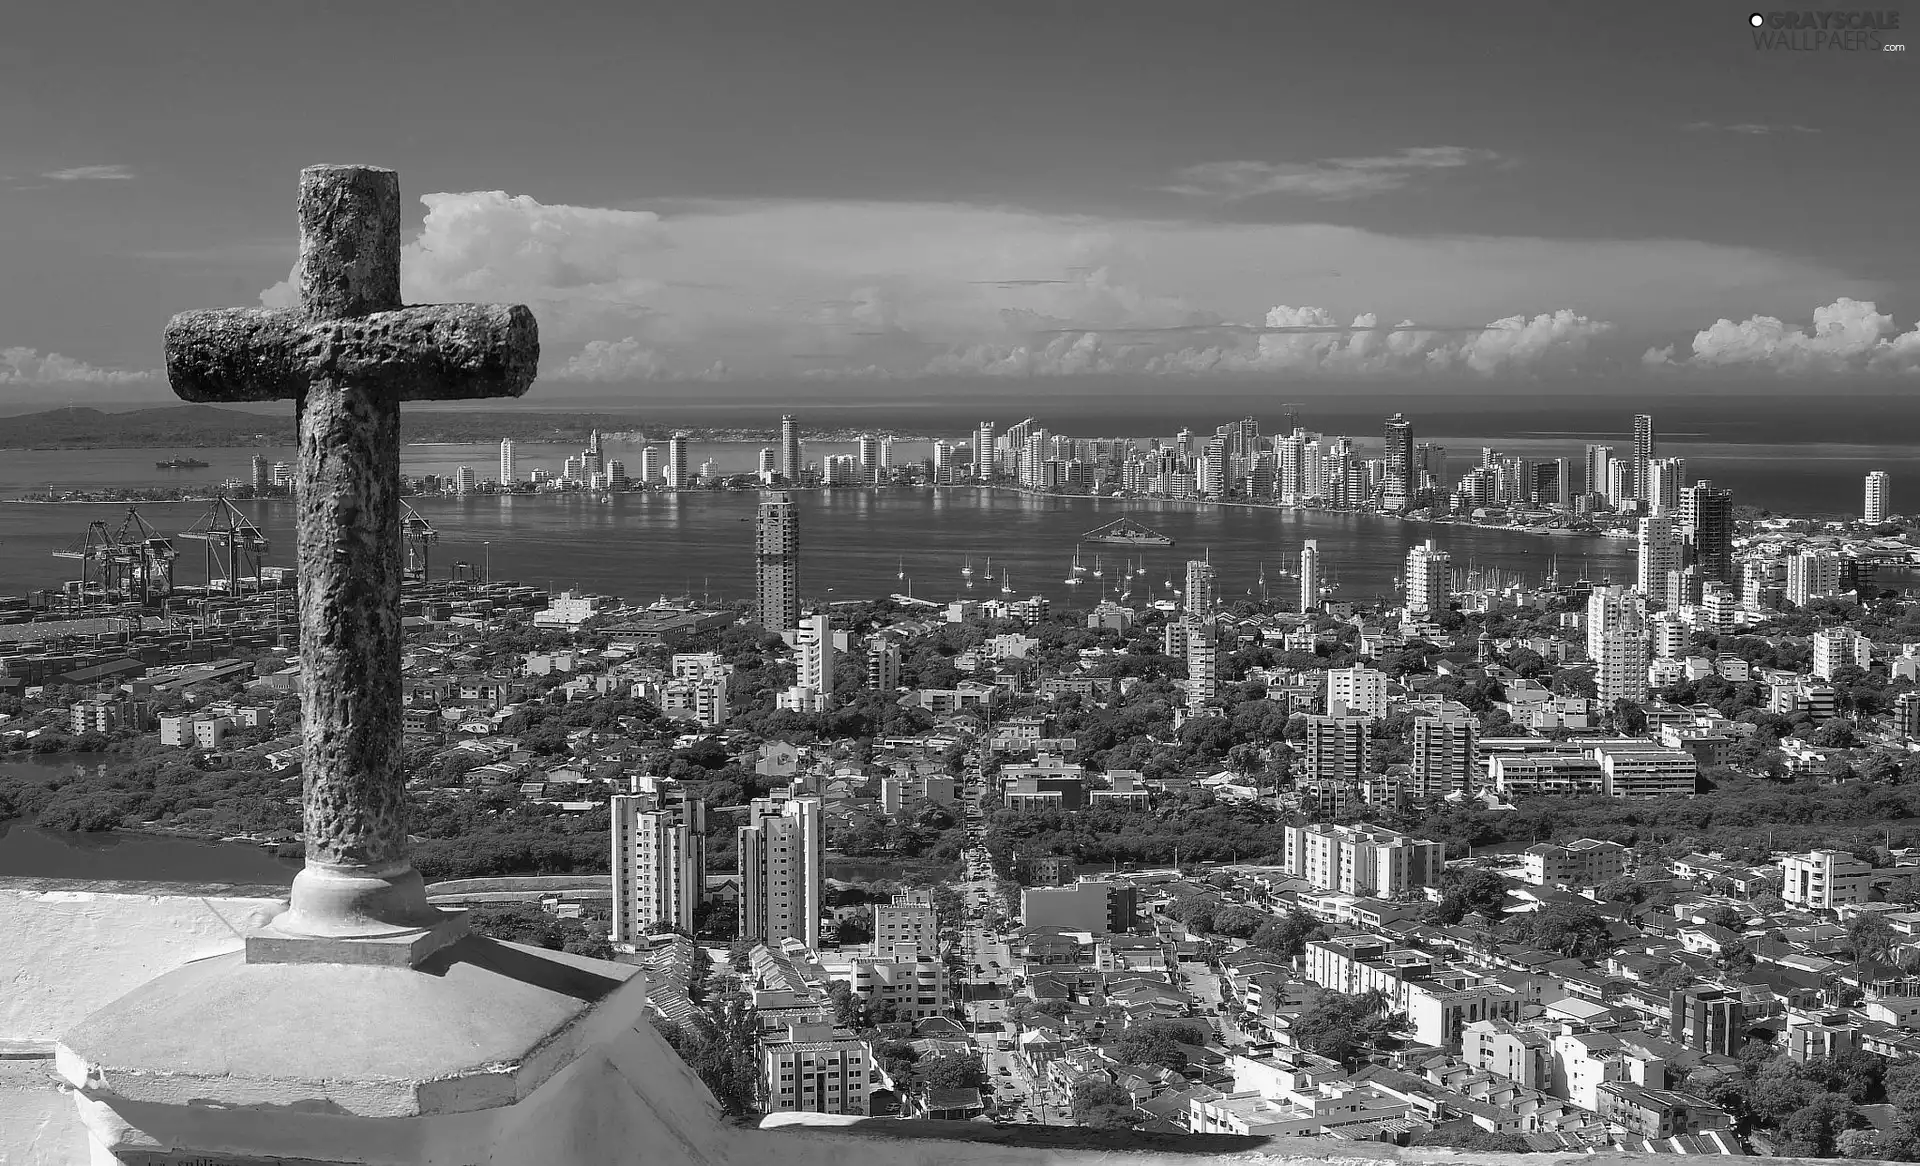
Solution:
(405, 949)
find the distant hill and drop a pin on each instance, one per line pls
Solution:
(208, 426)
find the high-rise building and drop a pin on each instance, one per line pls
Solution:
(1617, 643)
(1873, 507)
(1811, 574)
(1660, 550)
(983, 452)
(659, 861)
(1358, 689)
(1906, 715)
(464, 480)
(1201, 601)
(617, 474)
(777, 564)
(768, 467)
(650, 471)
(1599, 458)
(1362, 860)
(790, 449)
(1397, 487)
(1429, 579)
(1643, 450)
(262, 474)
(1430, 467)
(677, 462)
(942, 463)
(1707, 514)
(1310, 575)
(780, 872)
(508, 476)
(813, 654)
(1839, 647)
(1337, 748)
(1666, 477)
(1203, 663)
(883, 664)
(1444, 758)
(869, 454)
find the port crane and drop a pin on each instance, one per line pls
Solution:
(233, 546)
(417, 537)
(133, 562)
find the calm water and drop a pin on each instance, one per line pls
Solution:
(27, 851)
(854, 544)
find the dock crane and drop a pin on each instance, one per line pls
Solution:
(417, 536)
(133, 562)
(234, 545)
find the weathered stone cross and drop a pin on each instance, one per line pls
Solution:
(347, 357)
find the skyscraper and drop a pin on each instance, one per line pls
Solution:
(869, 447)
(780, 871)
(1430, 467)
(983, 452)
(1310, 575)
(1398, 486)
(1617, 643)
(464, 480)
(1643, 450)
(1666, 477)
(1203, 663)
(1811, 574)
(790, 449)
(1599, 457)
(677, 461)
(1874, 506)
(1200, 597)
(1444, 759)
(1708, 516)
(262, 475)
(617, 474)
(1429, 580)
(1660, 554)
(508, 475)
(659, 861)
(650, 465)
(769, 464)
(777, 564)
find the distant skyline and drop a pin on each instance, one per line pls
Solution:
(884, 199)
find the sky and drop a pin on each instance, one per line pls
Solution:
(913, 196)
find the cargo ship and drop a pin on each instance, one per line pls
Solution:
(181, 463)
(1127, 533)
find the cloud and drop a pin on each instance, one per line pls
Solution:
(26, 366)
(1848, 336)
(1328, 178)
(1747, 127)
(91, 174)
(1301, 341)
(904, 287)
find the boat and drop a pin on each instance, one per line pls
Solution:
(1127, 533)
(180, 463)
(1096, 565)
(966, 571)
(902, 573)
(1006, 584)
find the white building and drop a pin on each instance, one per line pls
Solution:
(1873, 506)
(1362, 860)
(1444, 756)
(816, 1068)
(1824, 880)
(677, 472)
(1359, 689)
(813, 654)
(1838, 647)
(508, 473)
(1617, 643)
(659, 862)
(780, 871)
(1659, 554)
(1429, 579)
(1310, 575)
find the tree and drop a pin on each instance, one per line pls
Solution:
(1156, 1042)
(1344, 1027)
(1871, 935)
(846, 1006)
(1476, 890)
(1569, 929)
(953, 1071)
(1102, 1105)
(1813, 1130)
(1288, 936)
(740, 955)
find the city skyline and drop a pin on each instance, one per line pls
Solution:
(1185, 227)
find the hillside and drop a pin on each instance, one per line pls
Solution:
(208, 426)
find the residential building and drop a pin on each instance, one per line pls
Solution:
(1362, 860)
(1707, 515)
(1095, 906)
(1660, 554)
(1617, 643)
(1337, 748)
(1644, 770)
(909, 921)
(816, 1068)
(1824, 880)
(1397, 485)
(1585, 863)
(1356, 691)
(1429, 579)
(1310, 575)
(1644, 448)
(1873, 506)
(1444, 756)
(1202, 652)
(790, 451)
(780, 871)
(1708, 1020)
(895, 982)
(659, 862)
(678, 473)
(883, 664)
(1811, 575)
(509, 474)
(776, 563)
(1839, 647)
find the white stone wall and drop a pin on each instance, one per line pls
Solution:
(65, 951)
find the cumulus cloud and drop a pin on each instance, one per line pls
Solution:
(1327, 178)
(1305, 341)
(858, 290)
(1848, 336)
(25, 366)
(91, 174)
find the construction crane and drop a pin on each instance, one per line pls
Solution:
(133, 562)
(417, 536)
(234, 546)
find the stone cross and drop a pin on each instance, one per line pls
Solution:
(347, 357)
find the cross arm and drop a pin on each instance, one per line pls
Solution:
(425, 352)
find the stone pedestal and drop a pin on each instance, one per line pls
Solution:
(485, 1052)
